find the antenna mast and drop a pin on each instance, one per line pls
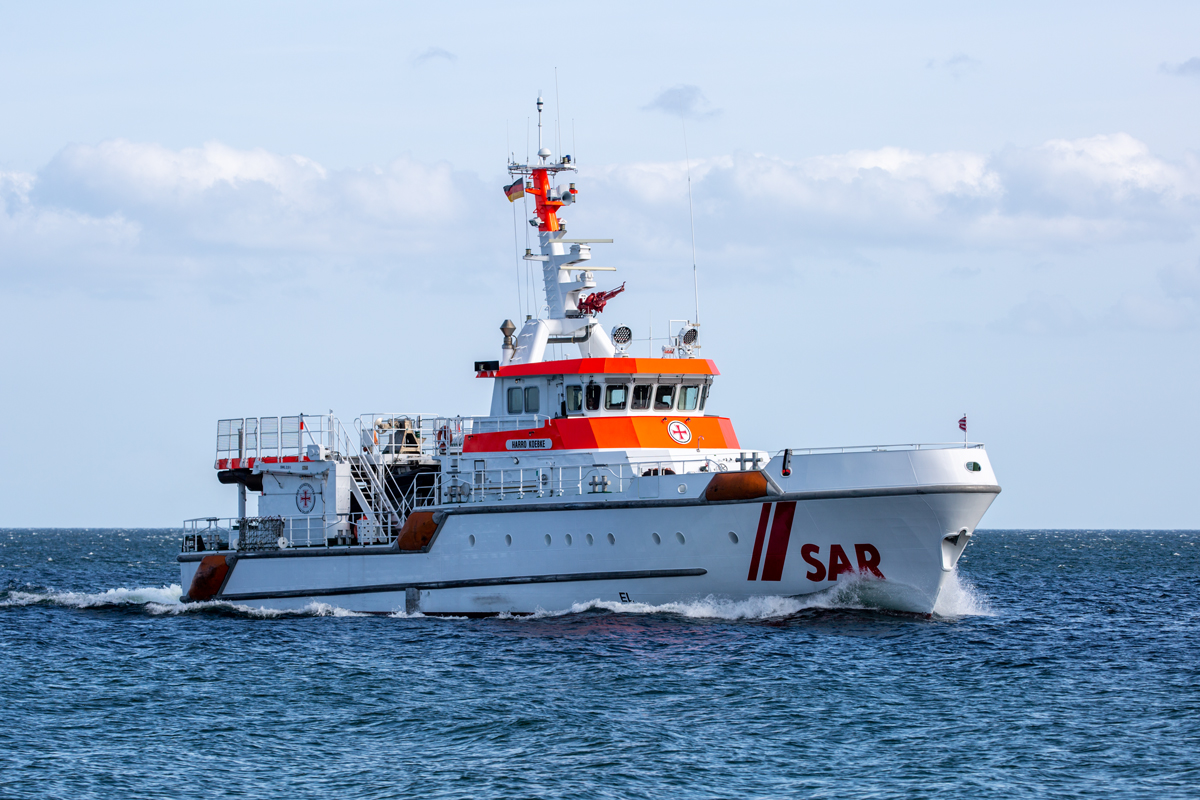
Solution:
(539, 107)
(692, 223)
(557, 116)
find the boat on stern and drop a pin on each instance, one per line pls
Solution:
(598, 477)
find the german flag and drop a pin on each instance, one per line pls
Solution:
(515, 189)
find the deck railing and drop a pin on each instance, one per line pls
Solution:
(879, 448)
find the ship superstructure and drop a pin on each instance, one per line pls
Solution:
(602, 476)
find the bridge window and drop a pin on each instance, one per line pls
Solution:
(532, 400)
(641, 397)
(689, 396)
(664, 398)
(574, 399)
(703, 396)
(515, 398)
(592, 396)
(616, 397)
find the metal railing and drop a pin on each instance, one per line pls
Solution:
(584, 480)
(396, 436)
(879, 448)
(275, 437)
(257, 534)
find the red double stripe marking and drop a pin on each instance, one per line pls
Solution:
(781, 534)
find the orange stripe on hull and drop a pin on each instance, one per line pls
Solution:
(615, 433)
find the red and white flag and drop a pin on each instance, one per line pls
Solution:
(962, 423)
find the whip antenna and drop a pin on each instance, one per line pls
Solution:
(557, 117)
(692, 223)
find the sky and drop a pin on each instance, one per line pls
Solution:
(902, 213)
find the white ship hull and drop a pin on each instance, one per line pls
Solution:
(608, 476)
(900, 538)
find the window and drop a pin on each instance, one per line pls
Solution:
(641, 397)
(514, 400)
(664, 398)
(592, 396)
(532, 400)
(689, 396)
(703, 396)
(574, 399)
(615, 397)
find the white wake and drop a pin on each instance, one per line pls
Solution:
(959, 598)
(162, 600)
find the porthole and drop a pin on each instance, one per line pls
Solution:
(682, 489)
(973, 466)
(612, 539)
(568, 539)
(679, 536)
(590, 539)
(548, 540)
(507, 539)
(471, 540)
(657, 539)
(733, 537)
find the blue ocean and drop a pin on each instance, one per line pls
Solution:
(1063, 664)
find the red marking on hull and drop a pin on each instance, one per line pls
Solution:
(839, 562)
(758, 541)
(781, 533)
(808, 553)
(868, 559)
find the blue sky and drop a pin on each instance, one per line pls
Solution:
(902, 213)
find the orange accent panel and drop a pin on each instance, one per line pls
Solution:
(546, 210)
(615, 433)
(208, 578)
(727, 431)
(608, 366)
(417, 531)
(736, 486)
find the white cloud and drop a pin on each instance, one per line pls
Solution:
(435, 54)
(684, 101)
(957, 65)
(1187, 68)
(1062, 193)
(139, 212)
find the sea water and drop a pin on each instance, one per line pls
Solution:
(1060, 664)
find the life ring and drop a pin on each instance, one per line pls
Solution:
(443, 439)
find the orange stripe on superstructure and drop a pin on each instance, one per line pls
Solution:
(727, 431)
(613, 433)
(608, 366)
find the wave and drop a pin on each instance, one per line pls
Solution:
(959, 598)
(163, 600)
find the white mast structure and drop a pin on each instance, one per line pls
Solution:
(571, 318)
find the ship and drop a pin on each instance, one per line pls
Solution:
(598, 476)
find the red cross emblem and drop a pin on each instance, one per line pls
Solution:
(679, 432)
(306, 498)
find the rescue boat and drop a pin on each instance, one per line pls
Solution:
(606, 476)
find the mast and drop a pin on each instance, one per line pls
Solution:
(567, 276)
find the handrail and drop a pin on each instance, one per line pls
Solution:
(874, 448)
